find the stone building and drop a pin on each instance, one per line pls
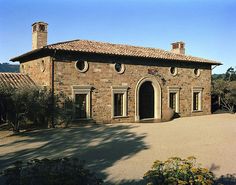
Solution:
(120, 83)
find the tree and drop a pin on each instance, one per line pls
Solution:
(225, 89)
(33, 105)
(230, 74)
(14, 103)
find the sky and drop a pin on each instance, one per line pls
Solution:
(208, 27)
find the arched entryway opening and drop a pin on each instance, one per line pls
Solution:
(148, 99)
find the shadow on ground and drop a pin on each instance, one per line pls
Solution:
(99, 145)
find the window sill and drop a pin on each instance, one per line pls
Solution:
(195, 111)
(117, 117)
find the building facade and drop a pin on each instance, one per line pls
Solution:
(120, 83)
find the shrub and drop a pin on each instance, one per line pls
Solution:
(34, 105)
(177, 171)
(228, 179)
(62, 171)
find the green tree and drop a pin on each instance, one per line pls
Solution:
(34, 105)
(230, 74)
(225, 89)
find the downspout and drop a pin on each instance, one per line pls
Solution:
(52, 91)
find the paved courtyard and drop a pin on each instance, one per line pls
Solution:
(122, 153)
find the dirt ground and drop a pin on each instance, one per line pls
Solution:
(122, 153)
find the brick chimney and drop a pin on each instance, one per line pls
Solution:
(39, 34)
(178, 47)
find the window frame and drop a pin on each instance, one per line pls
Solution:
(86, 66)
(198, 72)
(82, 89)
(119, 90)
(122, 68)
(199, 91)
(175, 72)
(174, 89)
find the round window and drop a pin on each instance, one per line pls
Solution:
(42, 66)
(119, 68)
(196, 72)
(81, 66)
(173, 71)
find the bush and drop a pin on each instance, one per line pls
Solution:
(34, 105)
(177, 171)
(63, 171)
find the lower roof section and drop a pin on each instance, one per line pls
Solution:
(16, 80)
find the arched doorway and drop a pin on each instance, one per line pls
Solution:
(147, 99)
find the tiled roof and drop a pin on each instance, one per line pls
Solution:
(123, 50)
(88, 46)
(15, 80)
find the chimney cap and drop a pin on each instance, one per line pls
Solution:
(178, 42)
(40, 22)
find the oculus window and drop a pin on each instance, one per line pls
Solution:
(173, 71)
(119, 68)
(81, 66)
(196, 72)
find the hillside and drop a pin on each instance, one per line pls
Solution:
(5, 67)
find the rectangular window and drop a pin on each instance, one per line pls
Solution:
(173, 99)
(118, 104)
(172, 102)
(196, 99)
(119, 101)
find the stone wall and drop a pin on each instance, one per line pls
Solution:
(101, 76)
(39, 70)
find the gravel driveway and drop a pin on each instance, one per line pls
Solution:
(122, 153)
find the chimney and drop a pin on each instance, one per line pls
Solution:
(39, 34)
(178, 47)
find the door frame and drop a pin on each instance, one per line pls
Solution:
(157, 97)
(83, 89)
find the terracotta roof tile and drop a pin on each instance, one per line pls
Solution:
(15, 80)
(116, 49)
(124, 50)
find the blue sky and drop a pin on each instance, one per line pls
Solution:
(207, 27)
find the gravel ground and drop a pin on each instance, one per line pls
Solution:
(122, 153)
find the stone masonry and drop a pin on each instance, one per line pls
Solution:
(58, 60)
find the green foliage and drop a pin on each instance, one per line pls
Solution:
(34, 105)
(65, 109)
(38, 106)
(226, 91)
(177, 171)
(229, 179)
(230, 74)
(14, 103)
(62, 171)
